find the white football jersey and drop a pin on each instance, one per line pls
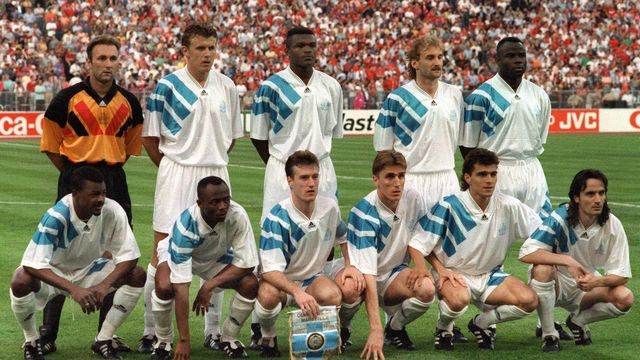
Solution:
(424, 129)
(293, 115)
(195, 124)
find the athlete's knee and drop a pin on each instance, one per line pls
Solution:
(137, 277)
(543, 273)
(527, 299)
(456, 303)
(623, 298)
(349, 292)
(329, 295)
(248, 286)
(268, 295)
(425, 291)
(22, 283)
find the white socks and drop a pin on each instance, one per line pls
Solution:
(241, 308)
(448, 316)
(124, 302)
(24, 309)
(214, 313)
(347, 312)
(267, 319)
(162, 313)
(500, 314)
(546, 303)
(410, 310)
(598, 312)
(149, 323)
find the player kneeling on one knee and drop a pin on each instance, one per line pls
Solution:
(297, 236)
(64, 257)
(566, 251)
(379, 229)
(212, 239)
(466, 237)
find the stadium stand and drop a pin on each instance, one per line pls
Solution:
(584, 53)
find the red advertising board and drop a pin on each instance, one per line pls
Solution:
(574, 120)
(20, 124)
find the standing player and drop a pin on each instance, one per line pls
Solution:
(94, 122)
(466, 237)
(422, 120)
(191, 123)
(509, 115)
(64, 257)
(566, 252)
(379, 229)
(297, 236)
(299, 108)
(214, 240)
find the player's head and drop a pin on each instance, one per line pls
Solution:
(88, 190)
(213, 199)
(303, 175)
(301, 45)
(198, 45)
(388, 169)
(480, 172)
(102, 58)
(511, 57)
(426, 57)
(588, 197)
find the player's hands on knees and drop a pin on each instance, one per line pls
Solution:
(86, 298)
(415, 276)
(373, 347)
(587, 282)
(307, 304)
(183, 350)
(350, 272)
(576, 270)
(453, 277)
(100, 291)
(201, 303)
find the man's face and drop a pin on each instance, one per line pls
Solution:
(302, 50)
(89, 199)
(390, 183)
(429, 65)
(482, 180)
(199, 53)
(592, 199)
(214, 202)
(104, 65)
(304, 183)
(512, 59)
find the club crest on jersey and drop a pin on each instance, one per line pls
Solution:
(452, 115)
(223, 107)
(502, 229)
(325, 105)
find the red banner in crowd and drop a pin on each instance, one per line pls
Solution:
(20, 124)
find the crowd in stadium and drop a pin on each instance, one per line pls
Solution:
(588, 47)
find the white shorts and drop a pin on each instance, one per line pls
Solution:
(569, 296)
(384, 281)
(176, 190)
(481, 286)
(433, 186)
(205, 273)
(331, 268)
(525, 180)
(89, 276)
(277, 189)
(304, 284)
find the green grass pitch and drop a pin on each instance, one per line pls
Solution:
(28, 185)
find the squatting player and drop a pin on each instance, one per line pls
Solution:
(379, 229)
(297, 236)
(64, 257)
(566, 251)
(466, 238)
(214, 240)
